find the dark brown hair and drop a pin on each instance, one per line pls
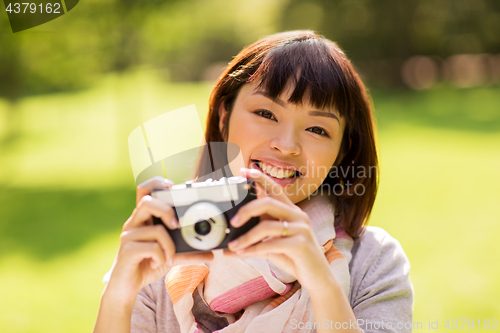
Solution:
(325, 78)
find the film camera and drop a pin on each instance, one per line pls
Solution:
(204, 209)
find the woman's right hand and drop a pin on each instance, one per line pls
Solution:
(146, 250)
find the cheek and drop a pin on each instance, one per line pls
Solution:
(243, 131)
(319, 160)
(247, 136)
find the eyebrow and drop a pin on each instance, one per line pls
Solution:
(311, 113)
(275, 100)
(324, 114)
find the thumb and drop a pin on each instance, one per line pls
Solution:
(260, 191)
(155, 183)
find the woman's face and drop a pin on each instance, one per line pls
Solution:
(282, 139)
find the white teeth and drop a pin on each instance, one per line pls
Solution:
(280, 173)
(275, 171)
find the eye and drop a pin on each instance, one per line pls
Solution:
(319, 131)
(265, 114)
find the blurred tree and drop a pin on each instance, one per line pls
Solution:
(11, 78)
(189, 36)
(186, 37)
(379, 35)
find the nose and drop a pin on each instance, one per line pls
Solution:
(286, 141)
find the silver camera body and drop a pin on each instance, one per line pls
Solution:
(204, 209)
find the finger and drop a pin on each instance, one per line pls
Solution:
(282, 245)
(263, 230)
(270, 206)
(270, 187)
(147, 207)
(155, 183)
(155, 233)
(138, 251)
(192, 258)
(229, 253)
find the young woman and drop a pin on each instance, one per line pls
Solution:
(298, 111)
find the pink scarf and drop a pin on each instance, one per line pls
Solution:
(232, 295)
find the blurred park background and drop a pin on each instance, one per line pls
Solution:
(73, 89)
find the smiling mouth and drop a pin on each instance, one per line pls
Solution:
(276, 172)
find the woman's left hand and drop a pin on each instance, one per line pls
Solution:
(296, 249)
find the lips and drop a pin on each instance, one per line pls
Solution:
(277, 171)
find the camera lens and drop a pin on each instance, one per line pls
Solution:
(202, 227)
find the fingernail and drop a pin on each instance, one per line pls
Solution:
(233, 244)
(240, 251)
(175, 223)
(143, 184)
(156, 182)
(254, 172)
(234, 221)
(171, 261)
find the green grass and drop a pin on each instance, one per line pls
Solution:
(440, 156)
(66, 187)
